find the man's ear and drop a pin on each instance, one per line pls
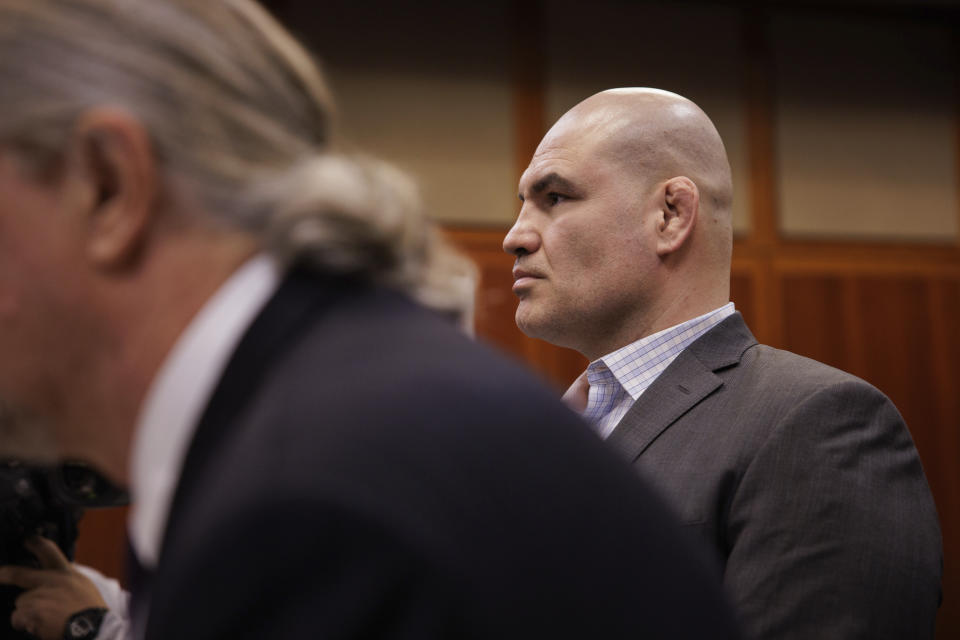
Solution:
(681, 205)
(114, 160)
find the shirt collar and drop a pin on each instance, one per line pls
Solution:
(636, 365)
(179, 393)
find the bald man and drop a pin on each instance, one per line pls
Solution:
(803, 479)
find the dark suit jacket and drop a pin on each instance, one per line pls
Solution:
(803, 478)
(364, 471)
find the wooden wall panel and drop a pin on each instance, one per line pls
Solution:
(940, 446)
(945, 313)
(901, 359)
(102, 541)
(813, 315)
(495, 301)
(865, 126)
(743, 294)
(899, 356)
(558, 366)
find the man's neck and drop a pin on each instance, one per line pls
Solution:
(684, 307)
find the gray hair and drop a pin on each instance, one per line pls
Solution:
(240, 118)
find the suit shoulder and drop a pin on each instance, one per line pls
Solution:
(796, 374)
(380, 367)
(397, 348)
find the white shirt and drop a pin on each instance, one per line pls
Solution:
(170, 412)
(115, 624)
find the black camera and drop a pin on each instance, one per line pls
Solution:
(48, 501)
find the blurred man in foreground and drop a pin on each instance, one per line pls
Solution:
(203, 297)
(803, 478)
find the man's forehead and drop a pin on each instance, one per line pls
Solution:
(563, 158)
(548, 169)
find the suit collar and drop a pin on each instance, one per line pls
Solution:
(180, 390)
(687, 381)
(300, 298)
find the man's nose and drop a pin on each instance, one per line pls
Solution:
(522, 238)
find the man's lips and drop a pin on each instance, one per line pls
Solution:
(523, 278)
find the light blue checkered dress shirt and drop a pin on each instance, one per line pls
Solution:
(618, 379)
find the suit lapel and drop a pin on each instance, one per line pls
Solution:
(690, 378)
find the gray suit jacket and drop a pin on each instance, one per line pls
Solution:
(804, 479)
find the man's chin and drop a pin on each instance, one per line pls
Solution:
(549, 327)
(529, 322)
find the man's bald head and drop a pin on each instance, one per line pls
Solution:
(657, 134)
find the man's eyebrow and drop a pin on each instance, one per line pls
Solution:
(552, 180)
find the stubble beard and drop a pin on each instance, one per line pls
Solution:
(545, 323)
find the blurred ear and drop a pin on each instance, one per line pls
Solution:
(681, 204)
(113, 159)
